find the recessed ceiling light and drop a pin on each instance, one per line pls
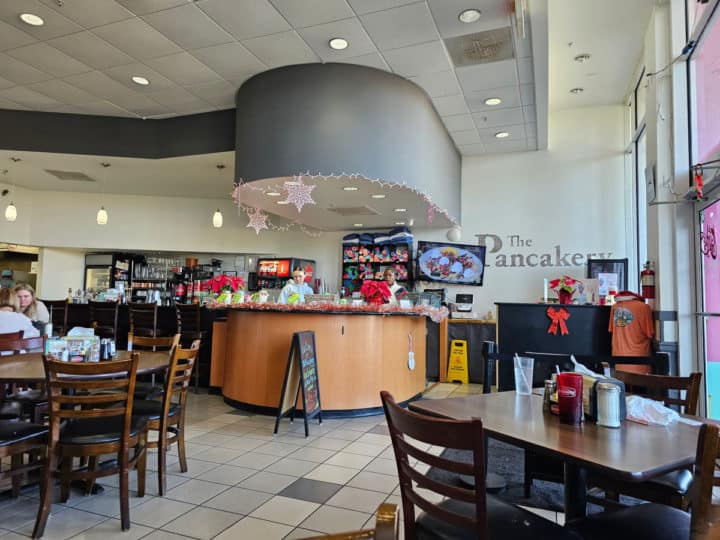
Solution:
(338, 43)
(493, 101)
(273, 194)
(31, 19)
(142, 81)
(399, 223)
(469, 15)
(283, 202)
(378, 195)
(582, 58)
(401, 209)
(357, 224)
(502, 135)
(577, 90)
(350, 188)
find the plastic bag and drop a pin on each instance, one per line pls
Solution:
(648, 411)
(583, 370)
(79, 331)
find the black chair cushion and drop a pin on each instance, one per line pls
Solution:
(505, 522)
(642, 522)
(677, 481)
(151, 409)
(147, 390)
(12, 432)
(99, 430)
(10, 410)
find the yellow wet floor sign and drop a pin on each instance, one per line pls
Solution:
(458, 363)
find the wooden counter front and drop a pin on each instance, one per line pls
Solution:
(358, 355)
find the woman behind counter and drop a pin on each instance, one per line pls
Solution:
(397, 291)
(29, 306)
(296, 289)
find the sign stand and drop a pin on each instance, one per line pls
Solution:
(301, 375)
(458, 362)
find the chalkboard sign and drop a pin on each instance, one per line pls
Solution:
(301, 374)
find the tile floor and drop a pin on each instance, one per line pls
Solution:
(242, 482)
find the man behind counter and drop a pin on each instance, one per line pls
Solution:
(296, 289)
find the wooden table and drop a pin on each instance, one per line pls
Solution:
(29, 368)
(633, 452)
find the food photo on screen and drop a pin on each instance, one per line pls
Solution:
(451, 263)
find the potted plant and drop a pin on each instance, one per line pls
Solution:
(230, 289)
(565, 288)
(375, 292)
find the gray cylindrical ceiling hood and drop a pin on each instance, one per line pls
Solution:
(335, 118)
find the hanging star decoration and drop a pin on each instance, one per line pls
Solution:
(257, 220)
(298, 193)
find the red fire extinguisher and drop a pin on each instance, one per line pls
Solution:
(647, 280)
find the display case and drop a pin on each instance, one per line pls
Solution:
(368, 255)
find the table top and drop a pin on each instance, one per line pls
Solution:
(633, 452)
(29, 367)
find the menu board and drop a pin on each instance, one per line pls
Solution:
(301, 375)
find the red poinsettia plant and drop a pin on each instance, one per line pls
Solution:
(225, 283)
(565, 287)
(375, 292)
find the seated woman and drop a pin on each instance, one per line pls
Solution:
(12, 321)
(296, 289)
(29, 306)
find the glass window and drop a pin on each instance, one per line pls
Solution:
(709, 230)
(705, 74)
(641, 197)
(640, 99)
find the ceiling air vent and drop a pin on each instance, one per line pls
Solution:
(354, 211)
(70, 176)
(481, 47)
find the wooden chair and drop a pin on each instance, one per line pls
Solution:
(147, 389)
(167, 417)
(143, 319)
(386, 527)
(660, 522)
(467, 513)
(90, 416)
(671, 488)
(31, 401)
(189, 327)
(58, 315)
(9, 410)
(104, 318)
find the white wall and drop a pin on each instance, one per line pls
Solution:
(60, 269)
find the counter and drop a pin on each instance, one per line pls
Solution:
(359, 353)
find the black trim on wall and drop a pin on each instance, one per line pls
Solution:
(33, 131)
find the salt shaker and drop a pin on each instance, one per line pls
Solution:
(608, 405)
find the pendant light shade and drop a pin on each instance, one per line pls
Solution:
(11, 212)
(217, 219)
(102, 216)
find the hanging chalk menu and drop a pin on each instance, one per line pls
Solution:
(301, 375)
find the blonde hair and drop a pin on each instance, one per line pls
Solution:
(31, 310)
(9, 299)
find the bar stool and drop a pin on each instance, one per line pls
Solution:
(143, 319)
(58, 315)
(104, 318)
(188, 324)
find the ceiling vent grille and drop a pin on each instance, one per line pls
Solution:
(70, 176)
(354, 211)
(481, 47)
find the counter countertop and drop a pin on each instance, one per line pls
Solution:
(336, 309)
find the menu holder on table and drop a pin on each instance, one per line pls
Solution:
(74, 349)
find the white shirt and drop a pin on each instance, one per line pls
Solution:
(14, 322)
(292, 288)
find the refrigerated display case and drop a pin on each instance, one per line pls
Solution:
(275, 273)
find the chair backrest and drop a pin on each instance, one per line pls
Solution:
(455, 434)
(386, 527)
(104, 315)
(165, 343)
(177, 379)
(705, 517)
(78, 391)
(143, 318)
(681, 391)
(15, 343)
(58, 314)
(188, 318)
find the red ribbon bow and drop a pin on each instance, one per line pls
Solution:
(558, 317)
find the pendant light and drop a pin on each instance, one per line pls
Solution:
(102, 216)
(11, 209)
(217, 219)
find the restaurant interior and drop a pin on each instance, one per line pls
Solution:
(208, 197)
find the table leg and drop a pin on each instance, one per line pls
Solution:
(575, 491)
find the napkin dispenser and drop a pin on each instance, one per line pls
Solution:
(590, 396)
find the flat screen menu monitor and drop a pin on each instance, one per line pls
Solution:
(461, 264)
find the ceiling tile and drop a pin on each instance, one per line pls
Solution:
(450, 105)
(141, 105)
(172, 96)
(142, 7)
(373, 60)
(418, 59)
(188, 27)
(501, 117)
(8, 104)
(312, 12)
(219, 93)
(99, 84)
(55, 24)
(4, 83)
(11, 37)
(443, 83)
(525, 69)
(245, 19)
(523, 46)
(465, 137)
(90, 13)
(471, 149)
(124, 74)
(368, 6)
(494, 14)
(28, 98)
(230, 61)
(487, 76)
(63, 92)
(459, 122)
(527, 94)
(137, 38)
(195, 107)
(359, 43)
(104, 108)
(281, 49)
(400, 27)
(531, 130)
(184, 69)
(48, 59)
(529, 113)
(20, 72)
(517, 132)
(510, 96)
(503, 147)
(91, 50)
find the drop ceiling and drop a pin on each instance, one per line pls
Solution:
(197, 54)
